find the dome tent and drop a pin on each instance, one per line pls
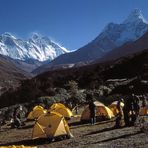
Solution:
(102, 112)
(36, 112)
(113, 107)
(61, 109)
(50, 125)
(143, 111)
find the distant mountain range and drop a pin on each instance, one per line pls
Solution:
(39, 54)
(113, 36)
(88, 77)
(36, 48)
(119, 52)
(19, 57)
(32, 52)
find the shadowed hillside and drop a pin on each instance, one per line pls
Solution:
(10, 75)
(88, 77)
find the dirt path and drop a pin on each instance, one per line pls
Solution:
(100, 135)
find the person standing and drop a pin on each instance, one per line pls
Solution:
(135, 108)
(120, 114)
(126, 110)
(92, 108)
(17, 117)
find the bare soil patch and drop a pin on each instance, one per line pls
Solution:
(102, 134)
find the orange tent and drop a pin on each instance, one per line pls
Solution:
(143, 111)
(102, 111)
(113, 107)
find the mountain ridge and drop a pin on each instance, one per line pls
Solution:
(37, 47)
(89, 76)
(126, 49)
(112, 36)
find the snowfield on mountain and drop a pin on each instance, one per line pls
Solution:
(38, 47)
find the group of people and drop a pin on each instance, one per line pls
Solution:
(128, 110)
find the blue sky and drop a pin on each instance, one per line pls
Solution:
(72, 23)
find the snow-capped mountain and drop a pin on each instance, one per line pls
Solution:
(115, 35)
(126, 50)
(132, 28)
(38, 48)
(112, 36)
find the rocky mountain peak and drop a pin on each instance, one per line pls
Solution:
(135, 16)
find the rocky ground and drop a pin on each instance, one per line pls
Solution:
(102, 134)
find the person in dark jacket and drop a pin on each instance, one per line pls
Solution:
(126, 110)
(131, 109)
(17, 121)
(120, 114)
(92, 108)
(135, 108)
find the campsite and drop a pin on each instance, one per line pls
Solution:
(74, 74)
(99, 135)
(102, 134)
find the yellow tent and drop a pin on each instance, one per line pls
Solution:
(143, 111)
(22, 146)
(62, 109)
(97, 103)
(50, 125)
(102, 111)
(113, 107)
(57, 105)
(36, 112)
